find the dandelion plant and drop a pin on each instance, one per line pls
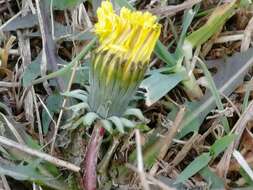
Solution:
(117, 67)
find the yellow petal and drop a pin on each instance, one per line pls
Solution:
(130, 35)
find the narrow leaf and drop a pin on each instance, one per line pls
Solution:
(221, 144)
(215, 22)
(199, 163)
(215, 94)
(229, 76)
(212, 179)
(64, 4)
(29, 173)
(53, 104)
(31, 72)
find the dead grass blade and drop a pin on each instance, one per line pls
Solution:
(164, 143)
(140, 161)
(166, 11)
(238, 129)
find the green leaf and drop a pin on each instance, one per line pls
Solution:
(127, 123)
(135, 112)
(229, 76)
(53, 104)
(221, 144)
(23, 22)
(124, 3)
(246, 99)
(187, 20)
(117, 123)
(64, 4)
(215, 94)
(69, 66)
(31, 72)
(82, 76)
(170, 183)
(4, 109)
(163, 54)
(149, 152)
(211, 178)
(107, 125)
(78, 94)
(215, 22)
(21, 172)
(192, 122)
(73, 182)
(158, 85)
(195, 166)
(142, 127)
(29, 173)
(89, 118)
(246, 177)
(245, 3)
(31, 142)
(79, 106)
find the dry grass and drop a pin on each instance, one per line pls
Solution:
(38, 131)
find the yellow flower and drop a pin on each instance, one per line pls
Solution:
(131, 35)
(126, 42)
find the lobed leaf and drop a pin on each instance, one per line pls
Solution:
(158, 85)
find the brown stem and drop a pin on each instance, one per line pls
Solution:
(90, 162)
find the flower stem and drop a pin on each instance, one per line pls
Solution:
(90, 163)
(190, 84)
(192, 88)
